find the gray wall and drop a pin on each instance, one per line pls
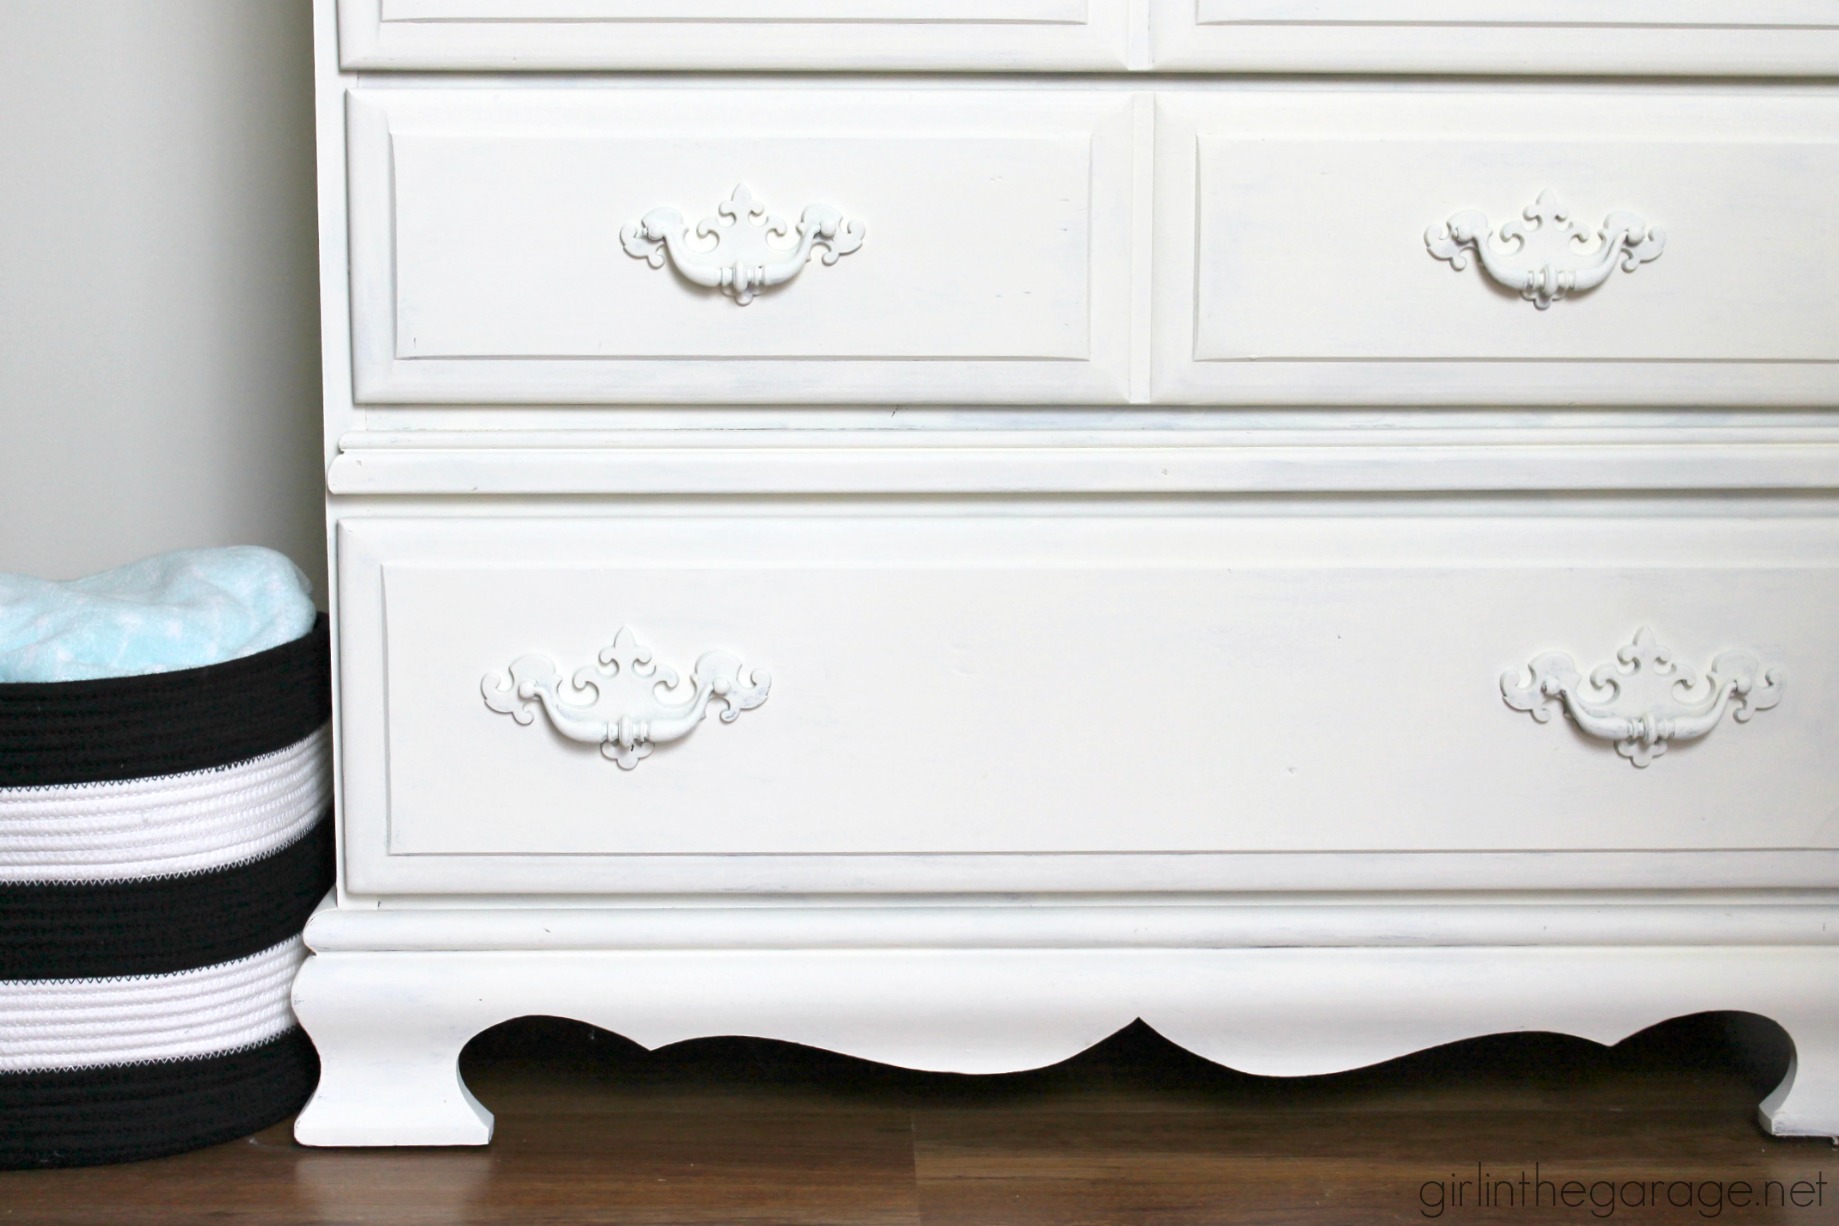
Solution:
(159, 334)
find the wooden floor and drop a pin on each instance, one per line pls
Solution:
(732, 1131)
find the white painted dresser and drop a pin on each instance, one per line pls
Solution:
(1310, 523)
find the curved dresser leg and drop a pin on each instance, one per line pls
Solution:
(389, 1063)
(1806, 1103)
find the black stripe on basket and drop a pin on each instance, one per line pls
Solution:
(165, 723)
(123, 1113)
(158, 925)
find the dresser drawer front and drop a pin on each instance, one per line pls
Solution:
(1002, 35)
(1061, 687)
(1308, 247)
(534, 246)
(1742, 37)
(1544, 37)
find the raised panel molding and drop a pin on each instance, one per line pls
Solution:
(1520, 37)
(487, 261)
(1349, 310)
(920, 640)
(999, 35)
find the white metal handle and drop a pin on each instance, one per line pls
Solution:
(1648, 698)
(1548, 257)
(628, 703)
(741, 249)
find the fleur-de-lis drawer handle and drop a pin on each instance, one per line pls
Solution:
(1648, 698)
(741, 249)
(1549, 256)
(628, 703)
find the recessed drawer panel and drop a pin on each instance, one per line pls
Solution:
(1598, 246)
(735, 246)
(1004, 35)
(1542, 37)
(986, 685)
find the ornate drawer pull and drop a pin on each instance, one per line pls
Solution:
(629, 706)
(1665, 700)
(744, 258)
(1564, 268)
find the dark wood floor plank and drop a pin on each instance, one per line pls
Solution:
(1384, 1145)
(1072, 1164)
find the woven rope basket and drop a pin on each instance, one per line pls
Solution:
(162, 841)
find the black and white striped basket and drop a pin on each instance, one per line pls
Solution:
(162, 841)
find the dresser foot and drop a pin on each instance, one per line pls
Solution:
(1806, 1103)
(389, 1060)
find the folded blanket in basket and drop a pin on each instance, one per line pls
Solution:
(163, 838)
(178, 610)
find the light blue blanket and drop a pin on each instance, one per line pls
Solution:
(177, 610)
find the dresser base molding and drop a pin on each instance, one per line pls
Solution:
(390, 1020)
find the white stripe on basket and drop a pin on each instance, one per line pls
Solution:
(165, 825)
(48, 1024)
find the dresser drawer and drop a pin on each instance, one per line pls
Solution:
(1321, 246)
(975, 689)
(1005, 35)
(548, 245)
(1543, 37)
